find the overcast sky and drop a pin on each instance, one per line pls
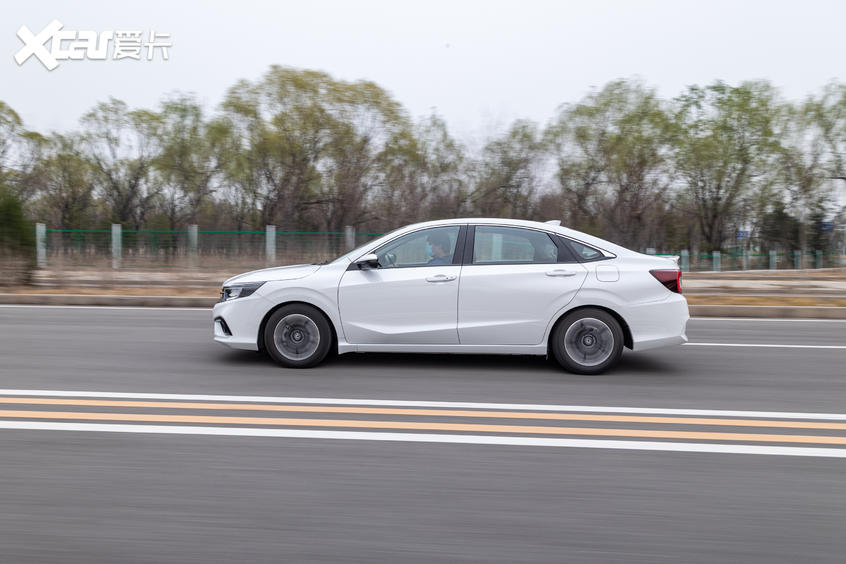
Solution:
(478, 64)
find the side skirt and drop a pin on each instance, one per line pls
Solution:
(539, 350)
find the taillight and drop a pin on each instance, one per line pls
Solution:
(671, 279)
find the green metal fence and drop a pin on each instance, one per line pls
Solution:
(773, 260)
(193, 247)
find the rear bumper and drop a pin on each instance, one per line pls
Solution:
(660, 342)
(659, 324)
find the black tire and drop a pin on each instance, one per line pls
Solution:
(297, 336)
(587, 341)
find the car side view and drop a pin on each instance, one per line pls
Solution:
(484, 286)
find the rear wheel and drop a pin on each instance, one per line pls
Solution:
(587, 341)
(297, 336)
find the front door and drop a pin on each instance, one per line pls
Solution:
(411, 297)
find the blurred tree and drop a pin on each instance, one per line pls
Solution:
(281, 128)
(401, 196)
(304, 151)
(446, 159)
(613, 150)
(364, 123)
(189, 158)
(20, 152)
(65, 181)
(829, 114)
(422, 176)
(17, 239)
(122, 145)
(10, 130)
(237, 206)
(508, 173)
(23, 176)
(801, 164)
(725, 142)
(817, 237)
(779, 230)
(309, 145)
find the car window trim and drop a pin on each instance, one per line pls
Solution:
(460, 243)
(467, 255)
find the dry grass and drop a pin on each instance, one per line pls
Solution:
(115, 291)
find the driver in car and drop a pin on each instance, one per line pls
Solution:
(439, 245)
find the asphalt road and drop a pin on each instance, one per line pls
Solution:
(72, 496)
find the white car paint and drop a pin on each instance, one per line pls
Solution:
(512, 305)
(497, 308)
(400, 305)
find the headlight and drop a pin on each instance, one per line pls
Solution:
(239, 290)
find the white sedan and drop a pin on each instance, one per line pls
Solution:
(489, 286)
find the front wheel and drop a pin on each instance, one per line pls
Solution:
(297, 336)
(587, 341)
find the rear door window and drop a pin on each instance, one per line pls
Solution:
(512, 245)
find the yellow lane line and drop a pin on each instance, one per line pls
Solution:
(419, 426)
(433, 413)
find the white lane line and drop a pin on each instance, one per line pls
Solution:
(766, 345)
(430, 438)
(767, 319)
(151, 308)
(418, 403)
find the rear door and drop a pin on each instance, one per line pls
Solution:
(513, 281)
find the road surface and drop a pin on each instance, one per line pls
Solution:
(128, 435)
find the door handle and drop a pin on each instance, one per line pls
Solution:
(441, 278)
(561, 273)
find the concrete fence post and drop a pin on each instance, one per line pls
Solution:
(685, 260)
(270, 245)
(117, 246)
(349, 237)
(192, 244)
(41, 245)
(716, 261)
(745, 260)
(773, 260)
(819, 259)
(797, 260)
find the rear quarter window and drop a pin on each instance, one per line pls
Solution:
(584, 253)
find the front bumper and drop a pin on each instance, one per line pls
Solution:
(236, 322)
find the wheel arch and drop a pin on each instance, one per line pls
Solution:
(628, 341)
(271, 311)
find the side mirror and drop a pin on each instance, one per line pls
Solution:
(368, 261)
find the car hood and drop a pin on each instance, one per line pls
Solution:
(277, 273)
